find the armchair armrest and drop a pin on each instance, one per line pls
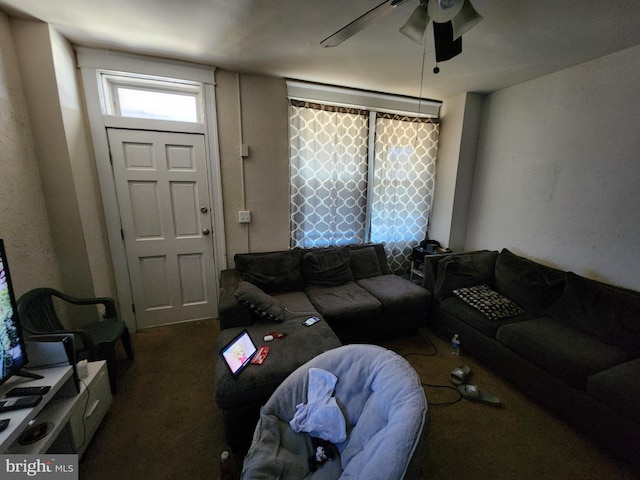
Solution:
(108, 303)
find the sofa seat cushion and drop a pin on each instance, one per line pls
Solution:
(566, 353)
(257, 382)
(458, 308)
(348, 302)
(397, 294)
(619, 388)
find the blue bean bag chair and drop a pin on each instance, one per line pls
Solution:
(385, 413)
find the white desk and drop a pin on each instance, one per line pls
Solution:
(74, 415)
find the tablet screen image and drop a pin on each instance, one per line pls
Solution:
(238, 353)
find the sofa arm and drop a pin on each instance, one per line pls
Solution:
(431, 270)
(230, 312)
(466, 269)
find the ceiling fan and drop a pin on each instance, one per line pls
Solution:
(451, 19)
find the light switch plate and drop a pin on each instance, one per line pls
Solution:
(244, 216)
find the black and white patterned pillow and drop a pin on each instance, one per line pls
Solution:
(489, 302)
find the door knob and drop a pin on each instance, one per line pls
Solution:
(204, 209)
(206, 231)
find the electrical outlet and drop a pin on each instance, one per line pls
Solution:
(244, 216)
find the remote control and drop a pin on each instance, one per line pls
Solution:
(4, 423)
(19, 402)
(26, 391)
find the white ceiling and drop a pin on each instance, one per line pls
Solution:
(517, 40)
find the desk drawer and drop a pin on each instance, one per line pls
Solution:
(99, 402)
(96, 400)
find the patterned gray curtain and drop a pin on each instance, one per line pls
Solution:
(330, 173)
(403, 185)
(328, 161)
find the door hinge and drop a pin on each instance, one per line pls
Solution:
(133, 307)
(122, 234)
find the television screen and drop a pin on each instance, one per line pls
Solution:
(12, 350)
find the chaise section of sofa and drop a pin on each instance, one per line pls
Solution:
(571, 342)
(240, 398)
(349, 288)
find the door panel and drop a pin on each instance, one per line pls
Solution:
(164, 201)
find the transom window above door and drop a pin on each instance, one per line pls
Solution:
(151, 98)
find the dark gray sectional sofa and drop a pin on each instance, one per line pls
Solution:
(571, 343)
(349, 288)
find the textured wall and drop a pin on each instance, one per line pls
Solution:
(557, 172)
(24, 225)
(254, 108)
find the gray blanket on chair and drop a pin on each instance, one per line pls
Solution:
(384, 407)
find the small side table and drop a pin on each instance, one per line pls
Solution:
(417, 262)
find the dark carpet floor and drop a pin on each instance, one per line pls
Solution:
(164, 423)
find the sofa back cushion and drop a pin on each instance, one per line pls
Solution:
(464, 270)
(381, 253)
(273, 272)
(531, 285)
(328, 267)
(364, 263)
(611, 314)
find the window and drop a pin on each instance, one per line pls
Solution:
(360, 176)
(152, 98)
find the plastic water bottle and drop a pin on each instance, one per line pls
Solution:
(455, 345)
(226, 469)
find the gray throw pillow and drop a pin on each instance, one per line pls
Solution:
(260, 303)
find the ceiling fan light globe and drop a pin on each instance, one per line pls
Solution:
(465, 20)
(443, 11)
(446, 4)
(415, 27)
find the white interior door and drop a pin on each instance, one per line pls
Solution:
(164, 202)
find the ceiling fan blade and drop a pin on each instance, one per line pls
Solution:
(360, 23)
(465, 20)
(415, 27)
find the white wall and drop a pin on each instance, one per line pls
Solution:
(558, 170)
(24, 224)
(83, 167)
(253, 109)
(33, 47)
(460, 120)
